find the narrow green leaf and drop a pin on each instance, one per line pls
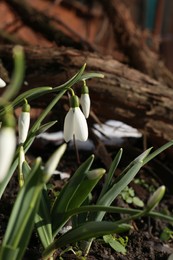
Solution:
(7, 252)
(45, 127)
(21, 221)
(18, 74)
(113, 192)
(84, 189)
(92, 75)
(157, 152)
(111, 172)
(119, 210)
(86, 231)
(72, 81)
(61, 202)
(43, 220)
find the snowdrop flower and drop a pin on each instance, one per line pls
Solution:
(85, 100)
(7, 145)
(75, 123)
(2, 83)
(24, 122)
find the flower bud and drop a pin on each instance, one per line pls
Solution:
(85, 100)
(24, 122)
(155, 198)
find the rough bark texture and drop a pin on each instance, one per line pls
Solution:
(132, 41)
(124, 94)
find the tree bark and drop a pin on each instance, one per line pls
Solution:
(123, 94)
(133, 43)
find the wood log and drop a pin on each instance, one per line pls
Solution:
(133, 43)
(124, 94)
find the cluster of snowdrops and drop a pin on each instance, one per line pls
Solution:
(33, 210)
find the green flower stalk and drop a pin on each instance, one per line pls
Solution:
(21, 161)
(24, 122)
(7, 144)
(75, 123)
(2, 83)
(85, 100)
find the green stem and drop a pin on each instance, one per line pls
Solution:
(119, 210)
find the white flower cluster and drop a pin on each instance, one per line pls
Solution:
(8, 136)
(75, 125)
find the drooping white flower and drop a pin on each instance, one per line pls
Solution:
(2, 83)
(23, 123)
(75, 122)
(7, 149)
(85, 100)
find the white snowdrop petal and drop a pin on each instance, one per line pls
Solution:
(69, 125)
(2, 83)
(80, 125)
(7, 150)
(23, 126)
(85, 103)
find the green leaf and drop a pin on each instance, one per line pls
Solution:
(114, 243)
(45, 127)
(43, 220)
(85, 187)
(157, 152)
(77, 77)
(111, 172)
(7, 252)
(138, 202)
(86, 231)
(119, 210)
(61, 202)
(18, 74)
(21, 220)
(116, 189)
(92, 75)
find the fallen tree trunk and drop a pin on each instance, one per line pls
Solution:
(124, 94)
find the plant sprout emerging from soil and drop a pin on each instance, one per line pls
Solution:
(33, 209)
